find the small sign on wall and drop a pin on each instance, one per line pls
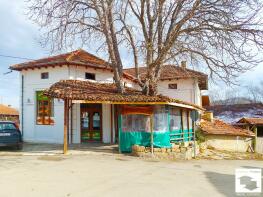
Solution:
(172, 86)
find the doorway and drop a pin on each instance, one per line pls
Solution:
(91, 123)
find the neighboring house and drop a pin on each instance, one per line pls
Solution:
(255, 125)
(222, 136)
(90, 119)
(178, 82)
(9, 113)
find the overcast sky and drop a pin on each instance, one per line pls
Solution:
(19, 37)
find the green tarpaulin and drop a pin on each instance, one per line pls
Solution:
(128, 139)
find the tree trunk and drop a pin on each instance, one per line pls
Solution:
(150, 85)
(119, 82)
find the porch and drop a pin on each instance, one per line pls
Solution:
(147, 118)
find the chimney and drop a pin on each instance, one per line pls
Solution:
(183, 64)
(208, 115)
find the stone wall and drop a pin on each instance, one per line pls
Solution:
(175, 152)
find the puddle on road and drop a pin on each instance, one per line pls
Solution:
(50, 158)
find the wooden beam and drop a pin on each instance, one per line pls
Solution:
(65, 143)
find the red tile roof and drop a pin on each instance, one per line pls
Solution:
(169, 72)
(83, 58)
(218, 127)
(251, 121)
(106, 92)
(5, 110)
(78, 57)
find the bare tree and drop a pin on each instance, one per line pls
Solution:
(68, 20)
(255, 92)
(226, 36)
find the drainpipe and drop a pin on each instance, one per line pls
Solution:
(22, 105)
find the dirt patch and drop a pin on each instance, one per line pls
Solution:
(212, 154)
(50, 158)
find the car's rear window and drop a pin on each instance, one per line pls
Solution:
(7, 126)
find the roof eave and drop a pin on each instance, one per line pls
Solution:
(52, 64)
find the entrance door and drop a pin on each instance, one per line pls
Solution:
(91, 122)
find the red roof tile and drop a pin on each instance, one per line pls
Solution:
(5, 110)
(78, 57)
(218, 127)
(173, 72)
(105, 92)
(252, 121)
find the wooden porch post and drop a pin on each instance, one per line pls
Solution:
(65, 144)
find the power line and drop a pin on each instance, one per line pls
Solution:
(15, 57)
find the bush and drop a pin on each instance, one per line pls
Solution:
(200, 137)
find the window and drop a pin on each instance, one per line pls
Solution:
(175, 119)
(90, 76)
(172, 86)
(96, 121)
(7, 126)
(44, 75)
(160, 119)
(45, 109)
(85, 120)
(136, 123)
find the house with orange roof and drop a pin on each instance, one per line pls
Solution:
(223, 136)
(9, 113)
(256, 126)
(73, 97)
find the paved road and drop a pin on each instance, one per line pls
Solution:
(105, 175)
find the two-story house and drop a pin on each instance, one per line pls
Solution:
(42, 117)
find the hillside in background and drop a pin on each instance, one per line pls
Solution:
(233, 112)
(234, 100)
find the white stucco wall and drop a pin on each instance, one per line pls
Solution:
(228, 143)
(187, 90)
(259, 145)
(32, 83)
(106, 124)
(76, 123)
(78, 72)
(54, 133)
